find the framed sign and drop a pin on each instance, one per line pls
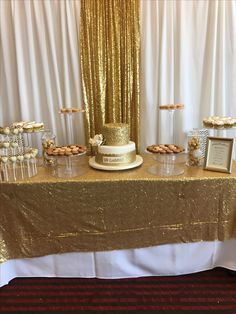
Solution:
(219, 153)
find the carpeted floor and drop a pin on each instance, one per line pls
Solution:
(211, 291)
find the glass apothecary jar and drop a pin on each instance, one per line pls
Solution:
(48, 141)
(196, 147)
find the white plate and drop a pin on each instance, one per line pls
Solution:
(136, 163)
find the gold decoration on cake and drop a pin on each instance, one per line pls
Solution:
(110, 71)
(116, 134)
(115, 159)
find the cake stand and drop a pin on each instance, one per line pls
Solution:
(32, 139)
(68, 166)
(171, 127)
(171, 111)
(168, 164)
(69, 119)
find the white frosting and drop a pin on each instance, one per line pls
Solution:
(219, 121)
(123, 149)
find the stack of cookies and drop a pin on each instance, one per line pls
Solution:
(66, 150)
(165, 149)
(71, 110)
(171, 107)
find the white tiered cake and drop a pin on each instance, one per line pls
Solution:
(117, 148)
(116, 152)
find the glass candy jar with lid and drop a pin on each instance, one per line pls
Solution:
(196, 147)
(48, 141)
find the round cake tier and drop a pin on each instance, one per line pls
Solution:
(116, 134)
(116, 155)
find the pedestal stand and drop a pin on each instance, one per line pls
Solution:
(168, 164)
(69, 125)
(67, 166)
(68, 114)
(171, 126)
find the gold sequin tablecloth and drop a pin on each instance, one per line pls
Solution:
(102, 210)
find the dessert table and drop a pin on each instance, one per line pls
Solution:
(115, 224)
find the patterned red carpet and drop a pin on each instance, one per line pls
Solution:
(211, 291)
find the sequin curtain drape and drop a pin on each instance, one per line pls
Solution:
(110, 53)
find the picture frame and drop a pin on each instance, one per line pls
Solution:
(219, 152)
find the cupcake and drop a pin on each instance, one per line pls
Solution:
(38, 126)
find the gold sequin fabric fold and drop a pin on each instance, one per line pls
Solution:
(110, 62)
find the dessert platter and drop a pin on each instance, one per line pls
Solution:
(171, 158)
(66, 151)
(165, 149)
(27, 126)
(32, 127)
(64, 159)
(70, 110)
(220, 126)
(27, 129)
(217, 122)
(114, 150)
(22, 127)
(171, 107)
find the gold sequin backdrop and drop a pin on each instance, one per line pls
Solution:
(110, 54)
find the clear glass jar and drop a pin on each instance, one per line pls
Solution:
(48, 140)
(196, 147)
